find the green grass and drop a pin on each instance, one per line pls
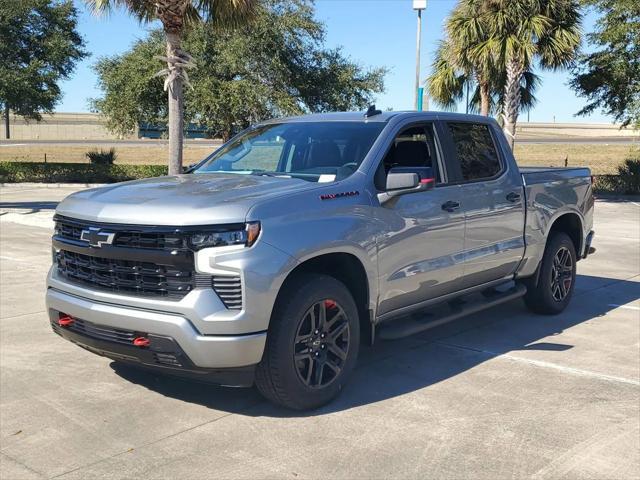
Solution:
(602, 159)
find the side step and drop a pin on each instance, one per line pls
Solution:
(404, 327)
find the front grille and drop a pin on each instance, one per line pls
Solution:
(172, 278)
(128, 236)
(229, 289)
(125, 276)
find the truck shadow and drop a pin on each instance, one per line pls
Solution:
(391, 369)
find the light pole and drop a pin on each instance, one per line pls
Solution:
(418, 5)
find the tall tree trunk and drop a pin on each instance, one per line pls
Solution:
(511, 107)
(485, 98)
(7, 130)
(176, 105)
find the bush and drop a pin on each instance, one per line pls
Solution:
(102, 157)
(13, 172)
(606, 184)
(627, 181)
(629, 176)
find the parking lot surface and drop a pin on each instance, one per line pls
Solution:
(501, 394)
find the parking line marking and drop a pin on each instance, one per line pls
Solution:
(548, 365)
(8, 192)
(627, 307)
(22, 315)
(4, 257)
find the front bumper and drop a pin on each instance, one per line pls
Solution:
(163, 355)
(203, 351)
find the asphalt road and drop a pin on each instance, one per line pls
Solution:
(501, 394)
(207, 143)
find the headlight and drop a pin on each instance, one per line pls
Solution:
(246, 237)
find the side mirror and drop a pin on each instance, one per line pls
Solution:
(188, 168)
(404, 180)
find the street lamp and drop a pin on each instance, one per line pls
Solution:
(418, 5)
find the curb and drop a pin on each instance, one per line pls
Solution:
(51, 185)
(616, 196)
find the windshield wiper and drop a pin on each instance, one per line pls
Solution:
(265, 173)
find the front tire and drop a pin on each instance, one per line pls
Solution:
(556, 282)
(312, 343)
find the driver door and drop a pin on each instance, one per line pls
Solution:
(420, 252)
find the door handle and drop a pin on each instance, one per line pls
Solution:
(450, 206)
(513, 197)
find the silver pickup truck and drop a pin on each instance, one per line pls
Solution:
(275, 257)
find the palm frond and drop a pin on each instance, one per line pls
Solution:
(228, 13)
(446, 83)
(143, 10)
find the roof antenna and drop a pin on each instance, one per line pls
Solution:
(372, 111)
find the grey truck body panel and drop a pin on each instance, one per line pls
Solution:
(413, 252)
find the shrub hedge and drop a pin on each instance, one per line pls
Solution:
(14, 172)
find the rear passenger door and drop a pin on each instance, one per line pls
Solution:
(493, 202)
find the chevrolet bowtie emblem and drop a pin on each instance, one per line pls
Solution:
(96, 237)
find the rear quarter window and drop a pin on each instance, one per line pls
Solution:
(475, 150)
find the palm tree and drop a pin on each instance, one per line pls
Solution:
(456, 68)
(175, 16)
(450, 81)
(452, 75)
(521, 33)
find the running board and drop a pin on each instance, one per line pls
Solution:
(404, 327)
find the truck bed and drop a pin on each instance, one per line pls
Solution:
(536, 175)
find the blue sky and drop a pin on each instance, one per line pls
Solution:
(371, 32)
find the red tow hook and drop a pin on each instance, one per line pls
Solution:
(66, 320)
(141, 342)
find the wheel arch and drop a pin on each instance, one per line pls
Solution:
(346, 268)
(571, 224)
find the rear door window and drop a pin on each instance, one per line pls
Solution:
(475, 151)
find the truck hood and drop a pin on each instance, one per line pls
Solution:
(195, 199)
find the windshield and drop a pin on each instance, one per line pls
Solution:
(314, 151)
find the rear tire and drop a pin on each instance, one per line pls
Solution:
(557, 278)
(312, 343)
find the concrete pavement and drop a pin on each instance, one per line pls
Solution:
(501, 394)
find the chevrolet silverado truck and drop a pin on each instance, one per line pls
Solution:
(273, 259)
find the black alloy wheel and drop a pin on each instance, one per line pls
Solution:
(312, 343)
(561, 274)
(550, 291)
(321, 344)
